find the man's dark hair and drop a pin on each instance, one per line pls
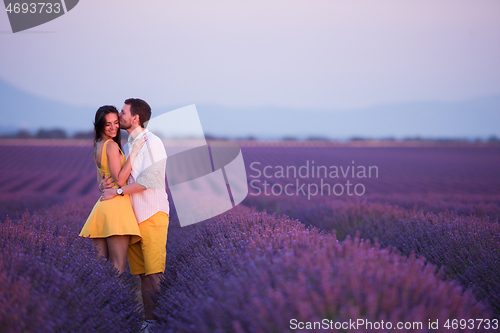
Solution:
(141, 108)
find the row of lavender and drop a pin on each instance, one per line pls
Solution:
(325, 172)
(33, 176)
(210, 261)
(52, 282)
(466, 246)
(254, 272)
(70, 170)
(241, 272)
(438, 202)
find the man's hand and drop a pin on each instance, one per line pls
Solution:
(106, 183)
(108, 193)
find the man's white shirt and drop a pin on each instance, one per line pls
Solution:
(148, 171)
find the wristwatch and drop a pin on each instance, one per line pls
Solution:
(119, 191)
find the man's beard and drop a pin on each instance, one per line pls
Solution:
(125, 127)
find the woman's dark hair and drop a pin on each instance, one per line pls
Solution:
(100, 123)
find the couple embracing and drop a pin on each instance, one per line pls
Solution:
(131, 216)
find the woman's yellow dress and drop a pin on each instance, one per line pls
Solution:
(111, 217)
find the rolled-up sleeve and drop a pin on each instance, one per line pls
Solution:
(154, 159)
(153, 176)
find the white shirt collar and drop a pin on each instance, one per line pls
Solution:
(137, 133)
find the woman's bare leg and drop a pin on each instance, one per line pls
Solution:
(102, 247)
(117, 247)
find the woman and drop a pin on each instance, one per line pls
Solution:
(112, 224)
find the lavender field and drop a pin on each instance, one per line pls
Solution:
(421, 243)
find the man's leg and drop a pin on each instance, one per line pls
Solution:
(149, 285)
(147, 258)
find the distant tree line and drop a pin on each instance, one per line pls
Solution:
(492, 138)
(58, 133)
(42, 133)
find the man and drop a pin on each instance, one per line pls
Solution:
(146, 187)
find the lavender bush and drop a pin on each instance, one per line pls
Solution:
(467, 247)
(53, 283)
(252, 272)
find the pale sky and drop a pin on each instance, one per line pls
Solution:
(318, 54)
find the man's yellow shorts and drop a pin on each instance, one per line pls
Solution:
(149, 255)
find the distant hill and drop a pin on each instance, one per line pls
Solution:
(23, 110)
(475, 118)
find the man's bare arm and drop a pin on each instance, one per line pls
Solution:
(133, 188)
(110, 193)
(99, 179)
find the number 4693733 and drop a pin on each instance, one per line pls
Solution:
(471, 324)
(33, 8)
